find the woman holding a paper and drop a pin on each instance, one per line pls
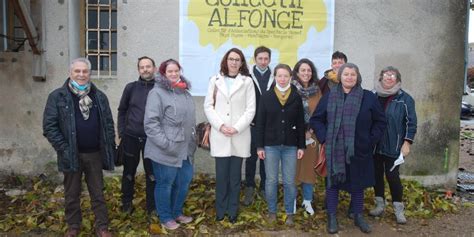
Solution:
(349, 121)
(400, 111)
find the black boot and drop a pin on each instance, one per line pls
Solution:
(248, 196)
(361, 223)
(233, 219)
(127, 208)
(332, 224)
(350, 212)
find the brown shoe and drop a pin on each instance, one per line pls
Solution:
(289, 220)
(72, 232)
(271, 218)
(103, 233)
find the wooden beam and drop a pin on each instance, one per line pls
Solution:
(82, 32)
(27, 24)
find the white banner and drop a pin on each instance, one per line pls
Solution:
(292, 29)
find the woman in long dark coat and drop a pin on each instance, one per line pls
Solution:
(348, 121)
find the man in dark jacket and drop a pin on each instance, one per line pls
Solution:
(131, 112)
(330, 76)
(262, 80)
(78, 123)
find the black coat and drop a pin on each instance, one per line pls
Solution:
(370, 127)
(131, 110)
(280, 125)
(59, 127)
(259, 91)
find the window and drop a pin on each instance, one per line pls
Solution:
(101, 37)
(12, 35)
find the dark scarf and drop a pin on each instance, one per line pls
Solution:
(305, 94)
(342, 115)
(262, 79)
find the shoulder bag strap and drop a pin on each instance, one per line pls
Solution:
(214, 95)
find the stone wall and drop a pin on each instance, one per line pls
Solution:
(424, 39)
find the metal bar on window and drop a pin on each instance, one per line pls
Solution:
(110, 39)
(102, 53)
(98, 40)
(5, 20)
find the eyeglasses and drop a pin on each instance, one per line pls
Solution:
(391, 76)
(233, 60)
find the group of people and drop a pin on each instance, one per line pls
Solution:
(291, 120)
(282, 117)
(156, 121)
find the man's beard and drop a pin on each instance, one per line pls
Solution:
(147, 78)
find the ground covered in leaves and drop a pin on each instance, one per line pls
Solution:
(38, 209)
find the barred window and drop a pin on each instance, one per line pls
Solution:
(101, 37)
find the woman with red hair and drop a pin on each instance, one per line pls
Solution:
(169, 122)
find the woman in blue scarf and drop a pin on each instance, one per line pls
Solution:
(348, 121)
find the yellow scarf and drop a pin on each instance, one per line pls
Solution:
(333, 77)
(282, 96)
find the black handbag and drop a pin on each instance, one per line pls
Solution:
(119, 154)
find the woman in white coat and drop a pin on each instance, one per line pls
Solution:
(230, 107)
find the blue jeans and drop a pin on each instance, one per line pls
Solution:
(307, 189)
(171, 189)
(287, 156)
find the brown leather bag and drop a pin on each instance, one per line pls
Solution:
(320, 166)
(203, 129)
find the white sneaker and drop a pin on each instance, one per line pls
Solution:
(307, 206)
(294, 207)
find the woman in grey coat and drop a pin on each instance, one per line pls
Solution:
(169, 125)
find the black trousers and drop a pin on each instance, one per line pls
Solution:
(133, 148)
(228, 177)
(382, 165)
(91, 165)
(251, 165)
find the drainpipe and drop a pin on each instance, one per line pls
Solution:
(73, 29)
(5, 41)
(466, 47)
